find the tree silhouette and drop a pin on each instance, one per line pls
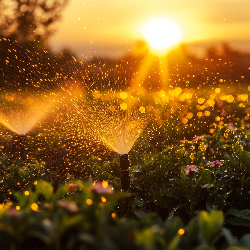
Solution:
(29, 20)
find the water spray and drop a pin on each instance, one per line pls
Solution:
(124, 165)
(19, 146)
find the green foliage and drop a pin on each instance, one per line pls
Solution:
(243, 155)
(239, 217)
(18, 175)
(210, 226)
(78, 219)
(223, 186)
(44, 188)
(164, 202)
(107, 170)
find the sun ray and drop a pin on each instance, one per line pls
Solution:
(137, 81)
(164, 74)
(161, 34)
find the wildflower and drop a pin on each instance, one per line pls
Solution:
(102, 188)
(213, 163)
(13, 212)
(231, 126)
(198, 139)
(71, 187)
(191, 168)
(71, 206)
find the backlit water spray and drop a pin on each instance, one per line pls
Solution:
(20, 114)
(114, 118)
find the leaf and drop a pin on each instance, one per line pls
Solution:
(140, 214)
(171, 227)
(208, 186)
(231, 241)
(239, 222)
(22, 199)
(244, 156)
(71, 221)
(245, 213)
(174, 192)
(246, 185)
(191, 232)
(210, 226)
(242, 217)
(245, 241)
(22, 173)
(205, 179)
(174, 243)
(182, 183)
(145, 238)
(62, 190)
(217, 201)
(44, 188)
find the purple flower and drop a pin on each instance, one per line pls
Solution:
(213, 163)
(191, 168)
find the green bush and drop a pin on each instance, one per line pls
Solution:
(191, 195)
(82, 216)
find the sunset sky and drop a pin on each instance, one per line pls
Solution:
(111, 28)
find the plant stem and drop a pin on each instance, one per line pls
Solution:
(215, 183)
(191, 199)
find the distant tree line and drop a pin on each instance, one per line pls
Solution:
(220, 66)
(27, 63)
(25, 68)
(29, 20)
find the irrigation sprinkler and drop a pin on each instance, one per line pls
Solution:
(124, 165)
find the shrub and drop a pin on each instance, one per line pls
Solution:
(82, 216)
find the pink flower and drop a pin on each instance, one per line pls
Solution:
(102, 188)
(183, 141)
(71, 187)
(213, 163)
(71, 206)
(231, 126)
(191, 168)
(12, 212)
(198, 138)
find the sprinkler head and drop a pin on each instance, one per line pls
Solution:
(124, 165)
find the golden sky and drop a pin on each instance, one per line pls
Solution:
(112, 27)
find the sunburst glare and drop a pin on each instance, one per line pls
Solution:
(161, 33)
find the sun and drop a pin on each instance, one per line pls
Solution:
(161, 33)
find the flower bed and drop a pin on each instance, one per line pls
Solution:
(83, 216)
(199, 200)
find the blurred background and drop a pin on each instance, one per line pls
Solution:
(113, 29)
